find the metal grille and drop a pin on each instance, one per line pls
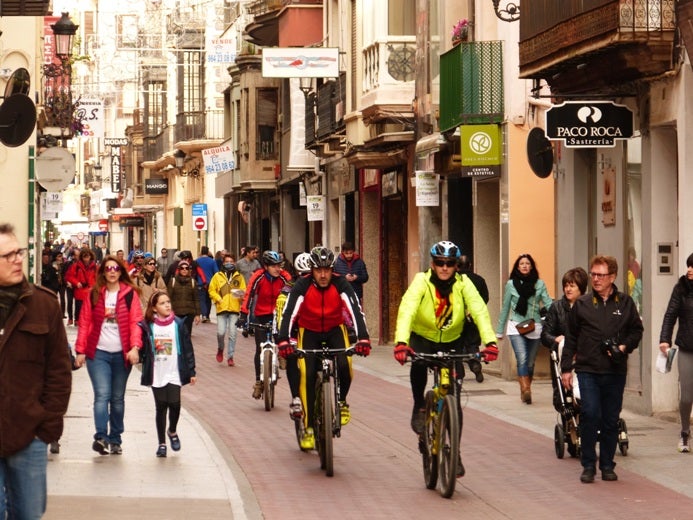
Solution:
(471, 83)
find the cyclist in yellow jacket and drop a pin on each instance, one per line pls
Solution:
(431, 318)
(226, 289)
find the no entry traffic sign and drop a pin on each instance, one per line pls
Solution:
(200, 223)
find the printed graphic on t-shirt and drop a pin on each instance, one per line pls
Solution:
(163, 346)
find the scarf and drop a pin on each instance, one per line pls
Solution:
(162, 322)
(443, 307)
(9, 296)
(148, 277)
(524, 285)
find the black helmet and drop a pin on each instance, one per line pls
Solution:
(445, 249)
(271, 258)
(321, 257)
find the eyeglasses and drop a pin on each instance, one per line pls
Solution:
(12, 256)
(600, 276)
(112, 268)
(184, 268)
(446, 263)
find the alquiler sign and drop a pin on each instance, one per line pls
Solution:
(589, 124)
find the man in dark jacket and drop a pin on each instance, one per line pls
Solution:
(470, 334)
(603, 328)
(35, 382)
(352, 267)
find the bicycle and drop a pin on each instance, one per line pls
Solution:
(269, 363)
(439, 441)
(327, 405)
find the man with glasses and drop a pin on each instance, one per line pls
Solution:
(603, 327)
(36, 387)
(431, 318)
(163, 261)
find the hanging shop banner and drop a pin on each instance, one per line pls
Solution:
(316, 208)
(219, 159)
(482, 150)
(589, 124)
(89, 111)
(300, 62)
(115, 169)
(427, 188)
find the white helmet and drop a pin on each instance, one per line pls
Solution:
(302, 263)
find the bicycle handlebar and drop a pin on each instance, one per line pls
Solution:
(444, 356)
(350, 351)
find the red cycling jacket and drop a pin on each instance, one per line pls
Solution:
(262, 291)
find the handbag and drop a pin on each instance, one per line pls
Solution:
(525, 327)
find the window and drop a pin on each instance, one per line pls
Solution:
(266, 117)
(401, 17)
(154, 107)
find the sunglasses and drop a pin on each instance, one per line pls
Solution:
(151, 263)
(112, 268)
(446, 263)
(184, 268)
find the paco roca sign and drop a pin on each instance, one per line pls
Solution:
(589, 124)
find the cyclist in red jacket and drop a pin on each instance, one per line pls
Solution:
(260, 300)
(320, 305)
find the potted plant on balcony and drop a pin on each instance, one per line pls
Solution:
(460, 31)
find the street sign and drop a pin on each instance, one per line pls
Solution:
(589, 124)
(200, 223)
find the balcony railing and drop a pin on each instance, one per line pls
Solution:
(389, 62)
(331, 101)
(471, 84)
(200, 125)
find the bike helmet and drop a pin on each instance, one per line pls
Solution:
(445, 249)
(271, 258)
(321, 257)
(138, 254)
(302, 263)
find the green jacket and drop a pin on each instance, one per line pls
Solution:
(417, 311)
(540, 299)
(220, 288)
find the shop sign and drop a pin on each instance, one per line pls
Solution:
(482, 150)
(156, 186)
(589, 124)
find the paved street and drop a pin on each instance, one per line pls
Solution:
(239, 461)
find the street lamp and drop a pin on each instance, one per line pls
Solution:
(58, 83)
(179, 156)
(509, 13)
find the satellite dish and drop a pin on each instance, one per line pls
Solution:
(18, 83)
(539, 153)
(17, 120)
(55, 169)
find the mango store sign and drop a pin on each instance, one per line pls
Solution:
(589, 124)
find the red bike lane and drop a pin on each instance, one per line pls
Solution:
(512, 472)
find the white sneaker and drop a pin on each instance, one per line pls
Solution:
(296, 408)
(683, 443)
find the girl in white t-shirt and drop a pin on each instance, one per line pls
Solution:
(168, 362)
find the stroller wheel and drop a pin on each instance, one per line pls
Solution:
(559, 441)
(622, 437)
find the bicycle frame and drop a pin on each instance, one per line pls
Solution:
(268, 353)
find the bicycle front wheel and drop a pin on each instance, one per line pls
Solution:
(448, 446)
(267, 378)
(427, 443)
(323, 427)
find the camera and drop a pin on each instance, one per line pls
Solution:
(610, 348)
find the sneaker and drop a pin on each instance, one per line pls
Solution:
(418, 420)
(282, 363)
(296, 408)
(609, 475)
(116, 449)
(100, 446)
(257, 390)
(308, 440)
(344, 413)
(476, 369)
(205, 320)
(55, 447)
(161, 451)
(683, 443)
(460, 467)
(231, 362)
(587, 475)
(220, 355)
(175, 441)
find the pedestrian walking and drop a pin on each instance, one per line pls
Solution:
(36, 383)
(206, 267)
(352, 267)
(520, 318)
(226, 290)
(471, 340)
(163, 262)
(248, 262)
(184, 298)
(108, 342)
(168, 363)
(82, 276)
(149, 281)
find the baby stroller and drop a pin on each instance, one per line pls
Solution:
(567, 404)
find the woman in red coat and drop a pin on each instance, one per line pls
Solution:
(109, 341)
(81, 276)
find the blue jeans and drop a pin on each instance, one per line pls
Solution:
(601, 398)
(226, 323)
(109, 377)
(525, 353)
(205, 301)
(23, 488)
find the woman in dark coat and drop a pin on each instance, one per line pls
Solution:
(183, 292)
